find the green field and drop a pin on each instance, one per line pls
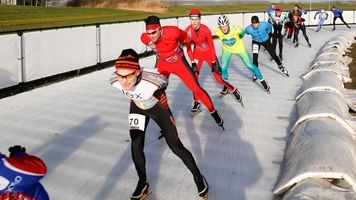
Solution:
(16, 18)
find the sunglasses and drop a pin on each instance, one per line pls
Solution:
(153, 32)
(127, 76)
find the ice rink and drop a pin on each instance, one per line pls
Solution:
(79, 128)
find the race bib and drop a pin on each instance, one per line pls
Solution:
(137, 121)
(255, 48)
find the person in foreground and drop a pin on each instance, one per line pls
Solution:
(20, 174)
(145, 88)
(166, 41)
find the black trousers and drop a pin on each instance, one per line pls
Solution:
(163, 118)
(268, 46)
(342, 19)
(296, 33)
(277, 36)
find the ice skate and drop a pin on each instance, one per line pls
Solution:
(141, 192)
(203, 187)
(254, 78)
(265, 86)
(218, 119)
(296, 45)
(283, 69)
(224, 92)
(195, 109)
(238, 96)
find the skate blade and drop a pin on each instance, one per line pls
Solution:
(196, 112)
(222, 95)
(145, 195)
(242, 103)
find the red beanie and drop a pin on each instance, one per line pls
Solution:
(195, 13)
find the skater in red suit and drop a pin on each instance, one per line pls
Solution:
(204, 50)
(20, 174)
(145, 89)
(166, 41)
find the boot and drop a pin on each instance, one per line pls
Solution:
(217, 118)
(283, 69)
(225, 90)
(254, 77)
(196, 106)
(202, 185)
(265, 85)
(140, 191)
(237, 95)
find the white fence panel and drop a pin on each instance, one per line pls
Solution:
(10, 71)
(52, 52)
(116, 37)
(184, 22)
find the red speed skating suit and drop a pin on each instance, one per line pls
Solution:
(171, 59)
(204, 50)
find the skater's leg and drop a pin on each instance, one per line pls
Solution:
(225, 61)
(342, 19)
(243, 54)
(271, 52)
(137, 144)
(255, 50)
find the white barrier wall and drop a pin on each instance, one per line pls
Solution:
(116, 37)
(10, 71)
(322, 140)
(50, 52)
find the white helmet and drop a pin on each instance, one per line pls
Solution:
(322, 10)
(223, 20)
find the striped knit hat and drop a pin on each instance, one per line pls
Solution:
(128, 60)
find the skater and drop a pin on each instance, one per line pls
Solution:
(278, 19)
(271, 10)
(290, 26)
(204, 50)
(299, 25)
(338, 14)
(323, 16)
(259, 33)
(166, 41)
(20, 174)
(144, 88)
(231, 35)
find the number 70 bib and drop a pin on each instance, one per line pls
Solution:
(137, 121)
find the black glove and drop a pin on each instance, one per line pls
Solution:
(215, 67)
(16, 150)
(195, 67)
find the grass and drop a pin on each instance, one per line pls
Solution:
(352, 67)
(16, 18)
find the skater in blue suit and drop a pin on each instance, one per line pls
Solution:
(323, 16)
(338, 14)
